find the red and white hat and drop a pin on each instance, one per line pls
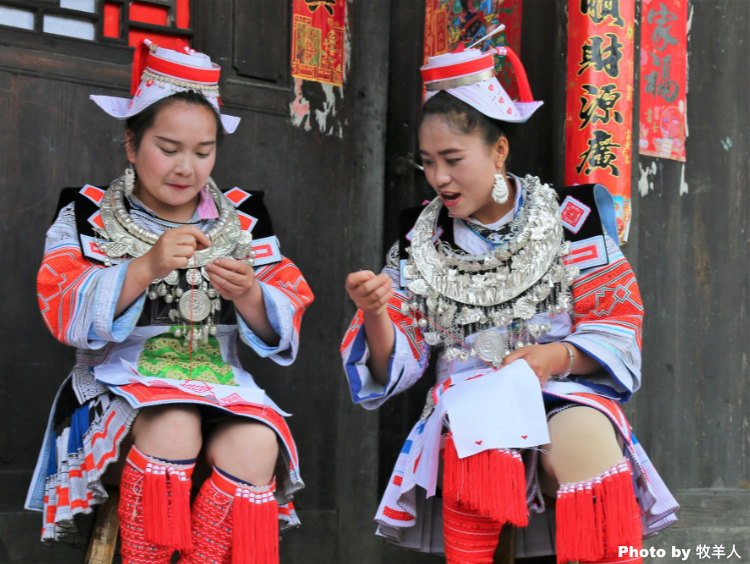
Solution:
(469, 75)
(161, 72)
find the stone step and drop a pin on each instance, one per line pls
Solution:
(717, 519)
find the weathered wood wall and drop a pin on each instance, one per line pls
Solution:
(693, 259)
(331, 198)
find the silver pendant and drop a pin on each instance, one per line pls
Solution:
(193, 276)
(490, 346)
(172, 278)
(195, 306)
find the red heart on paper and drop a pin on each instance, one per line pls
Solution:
(491, 87)
(478, 442)
(524, 436)
(510, 111)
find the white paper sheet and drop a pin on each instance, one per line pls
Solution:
(499, 409)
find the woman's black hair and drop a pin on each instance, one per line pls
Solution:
(141, 122)
(465, 118)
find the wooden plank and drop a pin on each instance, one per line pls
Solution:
(104, 534)
(261, 41)
(357, 435)
(506, 546)
(692, 264)
(717, 518)
(51, 64)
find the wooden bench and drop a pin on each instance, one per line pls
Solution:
(103, 539)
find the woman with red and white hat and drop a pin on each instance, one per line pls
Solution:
(534, 318)
(154, 279)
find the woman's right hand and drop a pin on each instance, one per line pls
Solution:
(174, 249)
(369, 292)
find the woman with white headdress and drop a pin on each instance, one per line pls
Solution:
(534, 318)
(154, 279)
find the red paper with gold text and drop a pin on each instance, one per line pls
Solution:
(599, 105)
(448, 23)
(318, 40)
(663, 79)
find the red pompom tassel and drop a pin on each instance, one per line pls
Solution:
(596, 517)
(156, 504)
(255, 524)
(166, 500)
(491, 483)
(179, 491)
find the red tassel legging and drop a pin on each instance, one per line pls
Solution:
(596, 507)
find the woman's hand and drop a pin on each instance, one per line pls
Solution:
(174, 249)
(233, 279)
(545, 360)
(369, 292)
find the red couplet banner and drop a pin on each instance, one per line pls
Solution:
(599, 104)
(663, 79)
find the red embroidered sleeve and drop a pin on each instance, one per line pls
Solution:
(609, 297)
(62, 281)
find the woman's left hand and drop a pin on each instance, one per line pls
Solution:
(233, 279)
(545, 360)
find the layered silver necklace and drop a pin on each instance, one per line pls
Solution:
(496, 294)
(193, 303)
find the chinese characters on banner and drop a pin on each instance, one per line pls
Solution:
(663, 78)
(318, 35)
(450, 22)
(599, 104)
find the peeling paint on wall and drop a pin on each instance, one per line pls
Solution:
(300, 107)
(315, 107)
(646, 178)
(683, 184)
(649, 175)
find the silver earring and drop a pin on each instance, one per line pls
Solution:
(500, 189)
(129, 179)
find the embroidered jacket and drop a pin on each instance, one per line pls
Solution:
(606, 323)
(136, 357)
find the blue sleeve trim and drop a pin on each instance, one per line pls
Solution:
(280, 321)
(622, 396)
(358, 350)
(606, 206)
(105, 327)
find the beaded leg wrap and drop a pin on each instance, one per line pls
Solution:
(490, 483)
(234, 523)
(154, 508)
(468, 536)
(597, 516)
